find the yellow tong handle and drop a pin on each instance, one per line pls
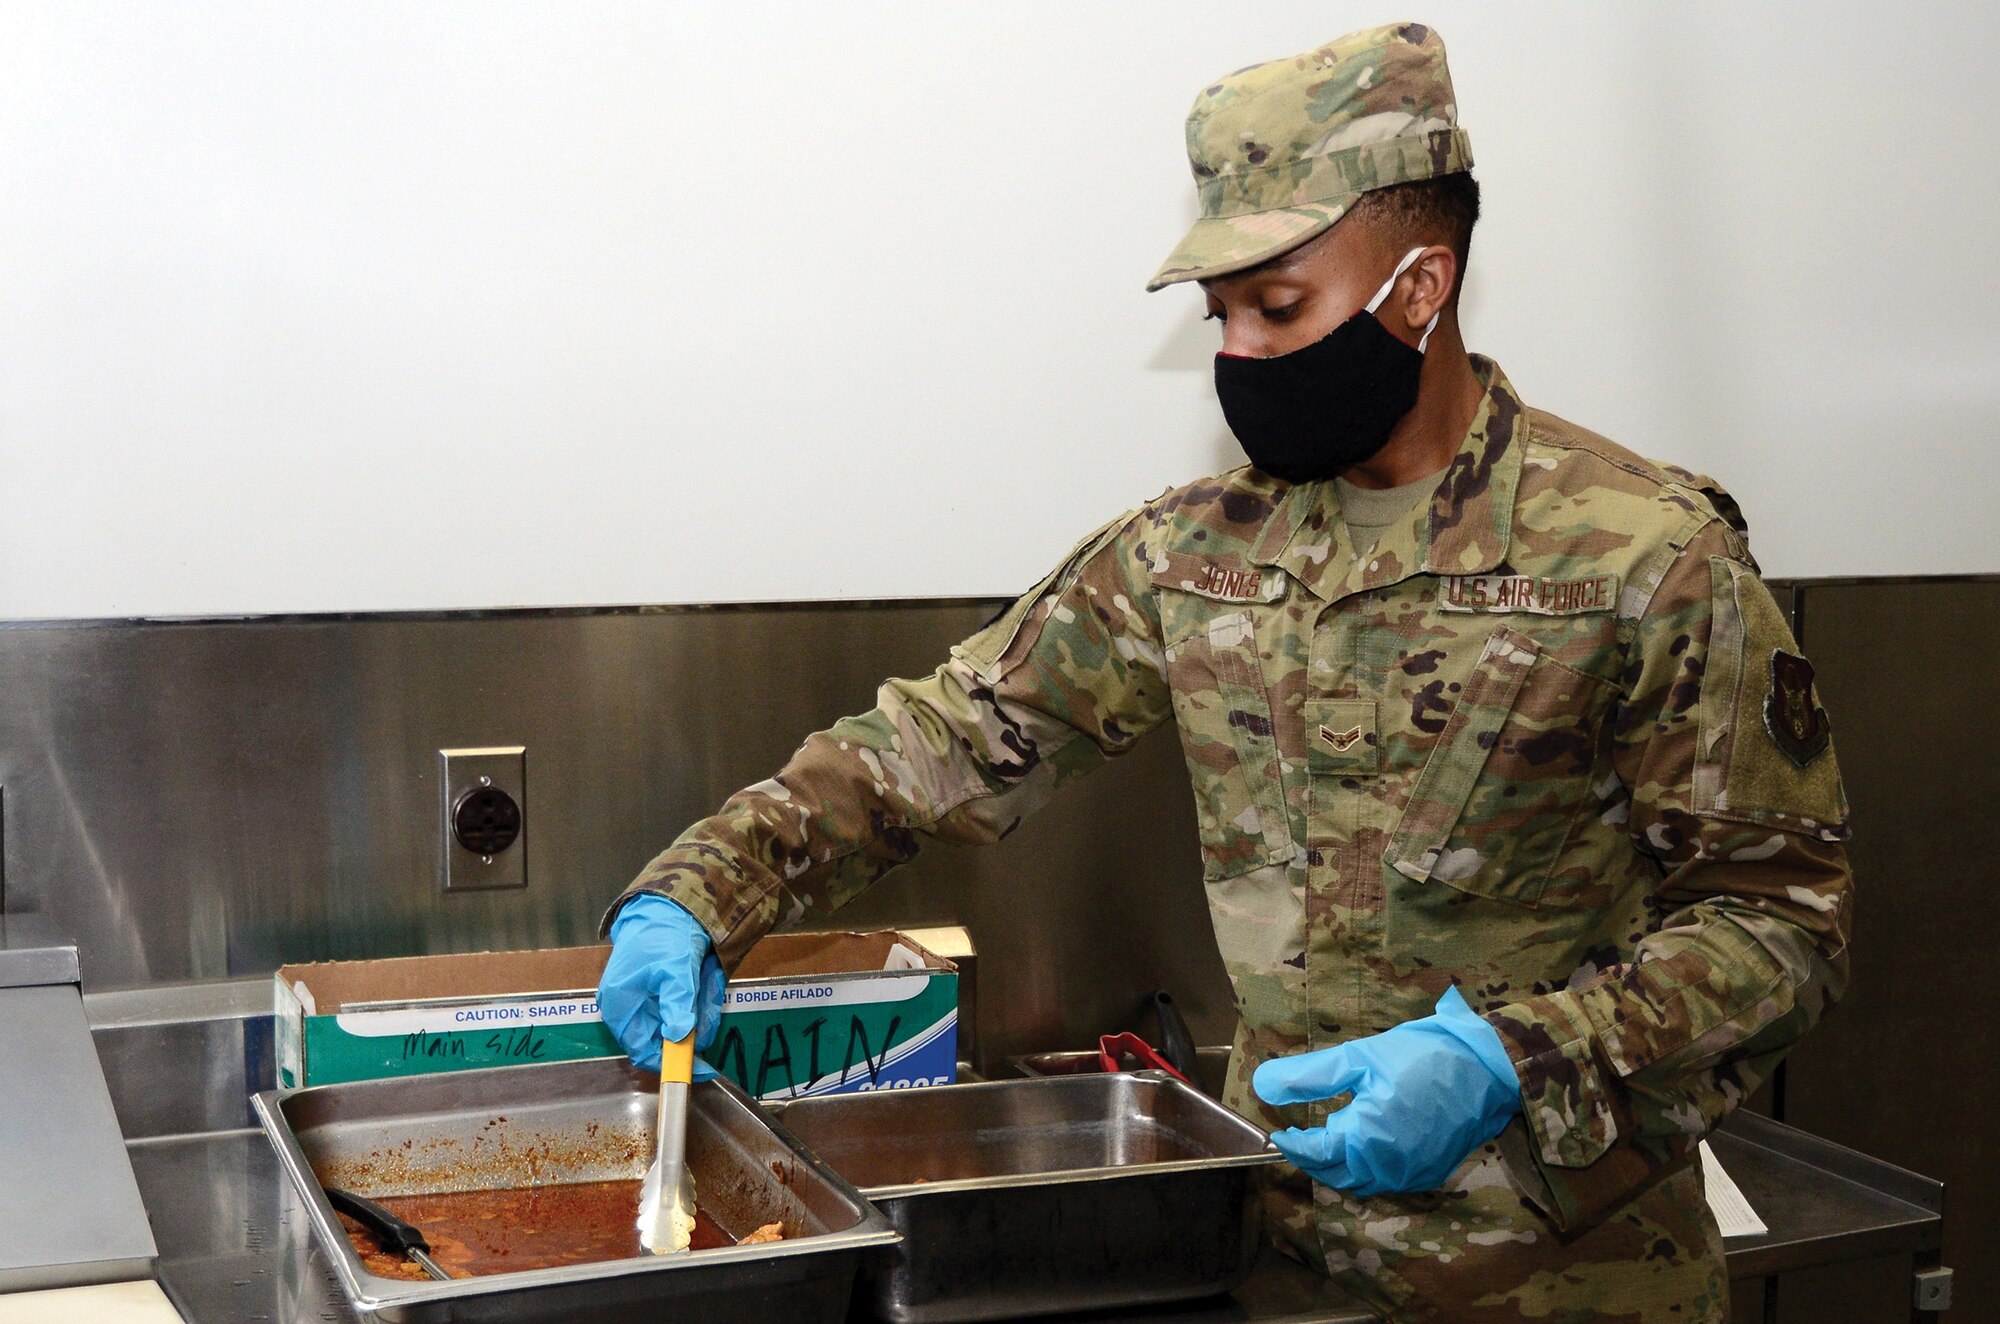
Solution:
(677, 1060)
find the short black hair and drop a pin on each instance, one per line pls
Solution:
(1442, 209)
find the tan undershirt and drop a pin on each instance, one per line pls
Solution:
(1369, 511)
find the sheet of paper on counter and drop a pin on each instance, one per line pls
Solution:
(1732, 1212)
(114, 1303)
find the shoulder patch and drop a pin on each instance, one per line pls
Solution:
(1764, 753)
(1791, 714)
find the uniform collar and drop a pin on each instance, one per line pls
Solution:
(1464, 529)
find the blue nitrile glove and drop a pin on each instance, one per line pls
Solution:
(660, 982)
(1426, 1094)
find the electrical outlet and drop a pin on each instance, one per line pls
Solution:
(483, 827)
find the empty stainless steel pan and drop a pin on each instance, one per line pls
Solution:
(1024, 1197)
(570, 1122)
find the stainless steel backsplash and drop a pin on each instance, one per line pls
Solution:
(208, 799)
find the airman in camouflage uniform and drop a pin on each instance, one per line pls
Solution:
(1549, 740)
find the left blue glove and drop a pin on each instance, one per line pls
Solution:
(661, 981)
(1426, 1094)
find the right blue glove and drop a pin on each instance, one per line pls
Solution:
(660, 982)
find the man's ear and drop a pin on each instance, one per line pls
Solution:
(1434, 277)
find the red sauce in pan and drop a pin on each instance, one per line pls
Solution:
(530, 1227)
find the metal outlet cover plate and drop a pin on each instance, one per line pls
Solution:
(465, 772)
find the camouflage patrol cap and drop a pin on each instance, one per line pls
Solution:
(1281, 150)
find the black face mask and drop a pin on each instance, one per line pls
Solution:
(1313, 412)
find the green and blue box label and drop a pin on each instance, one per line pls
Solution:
(795, 1038)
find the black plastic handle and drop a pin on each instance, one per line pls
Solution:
(395, 1233)
(1176, 1042)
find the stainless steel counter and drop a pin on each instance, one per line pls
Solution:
(235, 1245)
(234, 1241)
(70, 1212)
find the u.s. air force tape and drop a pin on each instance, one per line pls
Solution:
(1529, 593)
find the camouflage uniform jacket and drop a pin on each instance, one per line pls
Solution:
(1543, 742)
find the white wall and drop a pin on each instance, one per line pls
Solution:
(386, 306)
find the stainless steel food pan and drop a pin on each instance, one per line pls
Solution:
(566, 1122)
(1024, 1197)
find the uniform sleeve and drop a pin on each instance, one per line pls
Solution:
(1725, 755)
(1069, 675)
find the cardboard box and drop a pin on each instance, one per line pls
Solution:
(413, 1015)
(833, 1013)
(817, 1013)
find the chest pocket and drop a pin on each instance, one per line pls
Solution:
(1223, 711)
(1498, 797)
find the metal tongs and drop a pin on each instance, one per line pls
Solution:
(666, 1198)
(1176, 1053)
(1113, 1049)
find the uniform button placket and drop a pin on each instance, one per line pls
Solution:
(1329, 955)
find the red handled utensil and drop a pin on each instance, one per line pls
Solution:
(1111, 1049)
